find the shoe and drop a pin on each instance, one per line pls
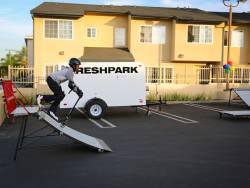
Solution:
(53, 115)
(38, 99)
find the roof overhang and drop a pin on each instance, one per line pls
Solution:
(102, 54)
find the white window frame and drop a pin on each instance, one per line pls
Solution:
(60, 65)
(165, 36)
(234, 46)
(209, 43)
(152, 34)
(91, 37)
(44, 73)
(52, 19)
(140, 34)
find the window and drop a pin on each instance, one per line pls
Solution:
(50, 68)
(225, 38)
(61, 29)
(237, 38)
(146, 34)
(159, 74)
(159, 34)
(51, 29)
(202, 34)
(91, 32)
(65, 29)
(153, 34)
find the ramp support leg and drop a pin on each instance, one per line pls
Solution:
(230, 95)
(160, 104)
(21, 136)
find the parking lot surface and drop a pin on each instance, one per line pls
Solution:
(183, 145)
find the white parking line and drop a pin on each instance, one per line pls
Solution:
(171, 116)
(96, 123)
(204, 107)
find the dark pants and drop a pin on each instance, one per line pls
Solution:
(58, 94)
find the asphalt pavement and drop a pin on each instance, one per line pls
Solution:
(182, 146)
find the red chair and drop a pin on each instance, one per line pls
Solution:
(11, 101)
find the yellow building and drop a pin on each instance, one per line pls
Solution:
(181, 38)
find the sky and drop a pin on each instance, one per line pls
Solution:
(16, 20)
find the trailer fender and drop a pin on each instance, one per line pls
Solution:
(96, 108)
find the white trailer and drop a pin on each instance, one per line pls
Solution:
(107, 84)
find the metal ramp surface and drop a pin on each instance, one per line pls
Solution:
(89, 141)
(244, 94)
(240, 113)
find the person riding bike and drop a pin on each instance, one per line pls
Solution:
(54, 80)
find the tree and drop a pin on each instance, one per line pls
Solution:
(16, 58)
(21, 57)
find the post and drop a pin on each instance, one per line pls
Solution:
(229, 41)
(210, 73)
(230, 4)
(9, 72)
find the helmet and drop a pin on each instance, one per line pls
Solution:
(74, 61)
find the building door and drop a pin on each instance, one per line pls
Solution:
(120, 37)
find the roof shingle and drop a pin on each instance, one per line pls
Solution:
(78, 10)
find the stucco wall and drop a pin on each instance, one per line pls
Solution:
(185, 51)
(105, 26)
(148, 53)
(46, 51)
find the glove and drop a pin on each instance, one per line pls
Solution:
(79, 93)
(72, 86)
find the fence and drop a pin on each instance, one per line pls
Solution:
(21, 76)
(159, 75)
(24, 77)
(198, 75)
(218, 75)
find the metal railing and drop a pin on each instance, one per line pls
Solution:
(21, 76)
(198, 75)
(24, 77)
(159, 74)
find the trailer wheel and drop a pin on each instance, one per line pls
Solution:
(96, 108)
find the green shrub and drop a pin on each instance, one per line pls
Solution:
(180, 97)
(30, 99)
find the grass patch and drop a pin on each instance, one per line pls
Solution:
(179, 97)
(30, 99)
